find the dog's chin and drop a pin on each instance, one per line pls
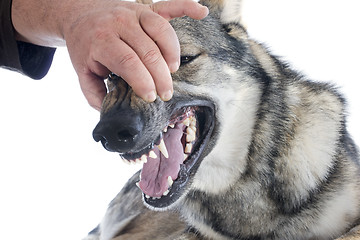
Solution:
(168, 170)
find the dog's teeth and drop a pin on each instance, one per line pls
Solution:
(152, 154)
(137, 184)
(185, 156)
(188, 148)
(192, 121)
(190, 135)
(147, 196)
(193, 128)
(137, 161)
(172, 125)
(165, 129)
(186, 122)
(126, 161)
(144, 158)
(166, 192)
(170, 181)
(163, 149)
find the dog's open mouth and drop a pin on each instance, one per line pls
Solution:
(171, 161)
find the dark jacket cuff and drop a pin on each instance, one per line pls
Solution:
(29, 59)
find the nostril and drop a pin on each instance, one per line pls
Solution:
(119, 131)
(98, 137)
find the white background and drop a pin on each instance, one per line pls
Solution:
(56, 182)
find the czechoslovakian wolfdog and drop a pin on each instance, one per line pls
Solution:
(246, 149)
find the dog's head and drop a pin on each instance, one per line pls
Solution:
(172, 138)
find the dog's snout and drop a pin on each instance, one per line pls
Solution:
(119, 133)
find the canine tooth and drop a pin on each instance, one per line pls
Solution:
(147, 196)
(165, 129)
(152, 154)
(172, 125)
(163, 149)
(170, 181)
(185, 156)
(144, 158)
(126, 161)
(188, 148)
(138, 184)
(166, 192)
(186, 122)
(190, 137)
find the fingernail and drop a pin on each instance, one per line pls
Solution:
(167, 95)
(151, 96)
(174, 67)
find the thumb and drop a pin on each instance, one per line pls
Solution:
(94, 89)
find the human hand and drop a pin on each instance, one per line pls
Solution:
(132, 40)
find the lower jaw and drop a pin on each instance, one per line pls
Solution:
(187, 171)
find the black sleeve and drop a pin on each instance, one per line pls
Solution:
(29, 59)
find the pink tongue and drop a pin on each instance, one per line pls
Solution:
(154, 175)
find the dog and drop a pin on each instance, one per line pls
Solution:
(247, 148)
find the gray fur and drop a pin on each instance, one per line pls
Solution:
(280, 163)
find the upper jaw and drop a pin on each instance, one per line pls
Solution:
(169, 138)
(157, 125)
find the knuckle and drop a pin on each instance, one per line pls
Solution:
(128, 61)
(163, 27)
(122, 19)
(152, 57)
(102, 34)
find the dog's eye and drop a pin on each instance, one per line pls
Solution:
(187, 59)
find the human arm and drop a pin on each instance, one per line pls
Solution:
(29, 59)
(134, 41)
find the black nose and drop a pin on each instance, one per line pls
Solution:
(119, 132)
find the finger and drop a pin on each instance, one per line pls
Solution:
(160, 31)
(99, 70)
(152, 57)
(179, 8)
(125, 63)
(93, 88)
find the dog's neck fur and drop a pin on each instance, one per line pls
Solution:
(260, 183)
(283, 166)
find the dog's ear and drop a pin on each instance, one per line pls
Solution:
(230, 10)
(236, 30)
